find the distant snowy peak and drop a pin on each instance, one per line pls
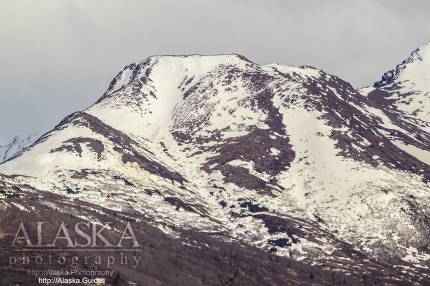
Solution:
(415, 67)
(16, 144)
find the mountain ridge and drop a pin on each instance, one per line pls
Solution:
(417, 55)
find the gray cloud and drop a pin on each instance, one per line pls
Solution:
(58, 56)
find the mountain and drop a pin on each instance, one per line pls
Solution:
(16, 144)
(403, 97)
(209, 151)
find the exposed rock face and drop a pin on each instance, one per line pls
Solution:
(285, 160)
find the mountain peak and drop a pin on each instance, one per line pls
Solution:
(198, 61)
(417, 62)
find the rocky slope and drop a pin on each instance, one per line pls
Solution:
(288, 160)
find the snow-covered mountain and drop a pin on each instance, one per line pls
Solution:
(16, 144)
(405, 90)
(289, 160)
(403, 97)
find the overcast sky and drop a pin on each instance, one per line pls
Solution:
(58, 56)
